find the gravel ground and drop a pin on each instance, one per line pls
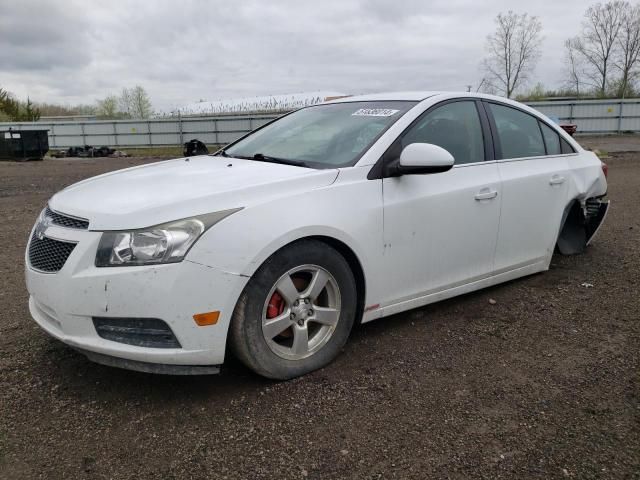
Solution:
(541, 383)
(611, 143)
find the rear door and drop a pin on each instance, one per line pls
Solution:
(534, 174)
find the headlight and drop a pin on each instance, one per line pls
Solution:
(166, 243)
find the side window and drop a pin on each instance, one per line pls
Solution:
(455, 127)
(518, 132)
(551, 140)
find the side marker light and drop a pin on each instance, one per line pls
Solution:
(204, 319)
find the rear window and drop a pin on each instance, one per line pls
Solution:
(518, 132)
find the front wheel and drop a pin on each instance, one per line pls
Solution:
(296, 313)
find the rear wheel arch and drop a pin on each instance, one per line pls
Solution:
(572, 237)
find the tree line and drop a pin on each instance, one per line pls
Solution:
(12, 109)
(602, 60)
(132, 103)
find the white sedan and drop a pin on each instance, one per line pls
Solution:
(334, 214)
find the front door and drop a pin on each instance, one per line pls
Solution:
(440, 229)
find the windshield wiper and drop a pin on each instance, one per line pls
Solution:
(220, 153)
(284, 161)
(266, 158)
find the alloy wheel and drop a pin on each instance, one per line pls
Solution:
(301, 312)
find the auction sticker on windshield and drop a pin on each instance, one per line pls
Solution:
(374, 112)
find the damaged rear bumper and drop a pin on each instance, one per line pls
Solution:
(595, 212)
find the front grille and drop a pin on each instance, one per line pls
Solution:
(48, 255)
(141, 332)
(65, 220)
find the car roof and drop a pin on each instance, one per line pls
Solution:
(388, 96)
(418, 96)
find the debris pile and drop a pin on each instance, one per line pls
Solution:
(88, 151)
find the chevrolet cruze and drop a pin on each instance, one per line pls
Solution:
(335, 214)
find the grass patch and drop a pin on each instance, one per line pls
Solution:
(153, 151)
(161, 151)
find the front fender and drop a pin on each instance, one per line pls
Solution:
(348, 211)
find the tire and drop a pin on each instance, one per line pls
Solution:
(267, 306)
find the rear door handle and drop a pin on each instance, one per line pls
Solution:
(556, 180)
(486, 194)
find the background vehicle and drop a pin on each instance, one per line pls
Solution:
(335, 214)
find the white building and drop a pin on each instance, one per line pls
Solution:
(267, 103)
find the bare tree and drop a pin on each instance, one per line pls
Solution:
(628, 42)
(596, 44)
(485, 86)
(140, 102)
(52, 109)
(124, 102)
(513, 50)
(108, 107)
(574, 66)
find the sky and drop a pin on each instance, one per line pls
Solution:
(73, 51)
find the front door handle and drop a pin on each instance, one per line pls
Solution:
(486, 194)
(556, 180)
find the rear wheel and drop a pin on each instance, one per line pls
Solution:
(296, 312)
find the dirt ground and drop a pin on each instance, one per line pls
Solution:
(611, 143)
(542, 384)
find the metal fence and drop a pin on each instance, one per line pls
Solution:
(218, 130)
(591, 116)
(595, 116)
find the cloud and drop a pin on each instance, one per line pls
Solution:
(38, 37)
(78, 51)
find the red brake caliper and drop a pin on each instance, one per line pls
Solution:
(276, 305)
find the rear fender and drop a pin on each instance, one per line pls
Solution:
(581, 221)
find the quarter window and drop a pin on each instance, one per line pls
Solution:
(518, 132)
(455, 127)
(551, 139)
(566, 148)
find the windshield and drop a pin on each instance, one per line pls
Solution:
(323, 136)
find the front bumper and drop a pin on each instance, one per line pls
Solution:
(65, 303)
(147, 367)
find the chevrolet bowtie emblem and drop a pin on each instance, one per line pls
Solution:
(42, 227)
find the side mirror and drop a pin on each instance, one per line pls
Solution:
(421, 158)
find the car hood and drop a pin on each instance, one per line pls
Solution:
(160, 192)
